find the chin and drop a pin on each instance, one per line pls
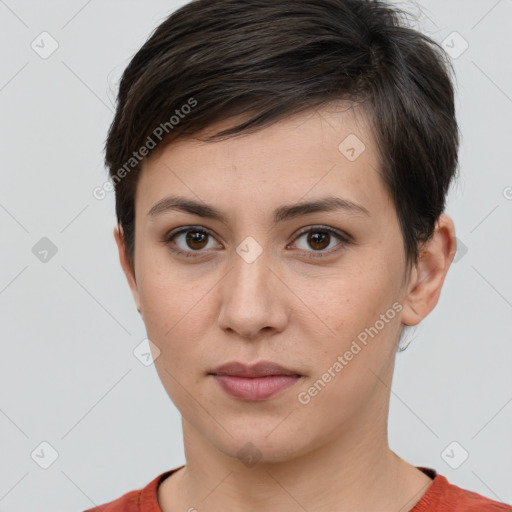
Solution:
(254, 445)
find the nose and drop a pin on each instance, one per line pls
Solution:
(253, 299)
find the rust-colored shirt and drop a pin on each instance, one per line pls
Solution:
(441, 496)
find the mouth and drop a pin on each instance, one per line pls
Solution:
(257, 382)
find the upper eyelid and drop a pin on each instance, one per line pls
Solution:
(320, 227)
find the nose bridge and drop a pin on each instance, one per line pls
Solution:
(250, 302)
(251, 272)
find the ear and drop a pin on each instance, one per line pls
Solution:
(127, 269)
(427, 277)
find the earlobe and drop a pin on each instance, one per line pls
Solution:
(428, 276)
(127, 269)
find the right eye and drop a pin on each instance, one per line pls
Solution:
(188, 240)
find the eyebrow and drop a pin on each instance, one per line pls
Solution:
(281, 214)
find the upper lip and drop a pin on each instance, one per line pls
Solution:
(260, 369)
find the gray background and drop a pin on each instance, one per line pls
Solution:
(69, 327)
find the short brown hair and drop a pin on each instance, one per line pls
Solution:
(274, 58)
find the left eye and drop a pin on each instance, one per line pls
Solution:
(320, 239)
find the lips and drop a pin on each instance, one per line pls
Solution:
(261, 369)
(257, 382)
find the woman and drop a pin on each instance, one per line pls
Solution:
(281, 170)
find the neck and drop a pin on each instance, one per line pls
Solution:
(353, 469)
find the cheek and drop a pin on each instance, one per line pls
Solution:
(355, 300)
(172, 316)
(175, 321)
(166, 320)
(362, 313)
(171, 297)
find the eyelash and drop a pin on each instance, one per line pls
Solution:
(344, 240)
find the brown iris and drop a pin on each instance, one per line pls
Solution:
(196, 237)
(316, 239)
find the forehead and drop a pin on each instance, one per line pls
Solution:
(339, 115)
(326, 149)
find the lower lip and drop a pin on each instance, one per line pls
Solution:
(257, 388)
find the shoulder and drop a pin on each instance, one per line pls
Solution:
(139, 500)
(443, 496)
(462, 500)
(127, 503)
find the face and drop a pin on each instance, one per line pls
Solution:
(318, 290)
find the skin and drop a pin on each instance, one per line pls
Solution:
(301, 312)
